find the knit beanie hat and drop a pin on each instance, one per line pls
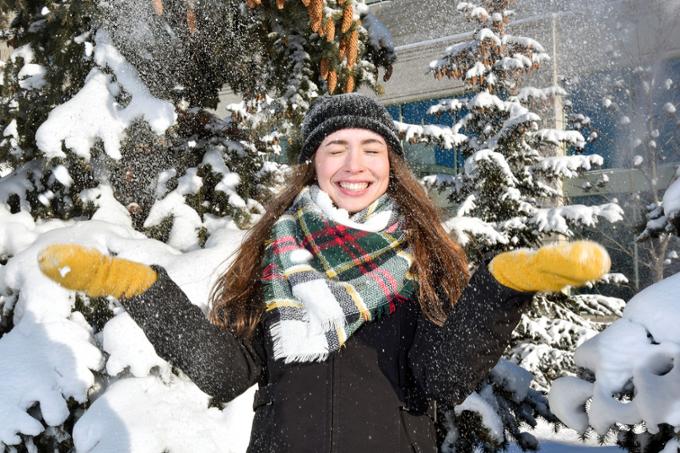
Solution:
(343, 111)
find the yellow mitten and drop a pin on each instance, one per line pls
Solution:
(551, 267)
(85, 269)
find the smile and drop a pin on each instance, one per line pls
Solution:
(353, 186)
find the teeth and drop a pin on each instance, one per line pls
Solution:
(355, 186)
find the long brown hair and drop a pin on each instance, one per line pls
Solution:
(440, 263)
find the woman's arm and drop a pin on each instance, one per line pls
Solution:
(449, 362)
(220, 364)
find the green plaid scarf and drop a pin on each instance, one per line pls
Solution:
(326, 273)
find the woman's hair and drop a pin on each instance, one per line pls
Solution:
(440, 264)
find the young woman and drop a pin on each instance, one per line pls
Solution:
(347, 304)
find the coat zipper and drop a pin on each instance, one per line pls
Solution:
(332, 410)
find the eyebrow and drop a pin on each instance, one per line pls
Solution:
(363, 142)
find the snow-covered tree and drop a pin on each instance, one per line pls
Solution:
(630, 383)
(110, 139)
(508, 195)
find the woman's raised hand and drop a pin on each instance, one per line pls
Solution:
(84, 269)
(551, 267)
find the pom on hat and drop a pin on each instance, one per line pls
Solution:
(345, 111)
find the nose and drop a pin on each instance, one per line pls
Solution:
(354, 162)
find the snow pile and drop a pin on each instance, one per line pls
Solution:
(52, 353)
(148, 415)
(634, 362)
(94, 113)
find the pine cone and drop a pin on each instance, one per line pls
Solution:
(323, 68)
(157, 6)
(253, 3)
(329, 29)
(353, 48)
(191, 20)
(342, 49)
(349, 85)
(347, 15)
(280, 4)
(315, 11)
(332, 81)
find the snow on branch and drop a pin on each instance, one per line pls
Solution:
(599, 305)
(486, 100)
(446, 105)
(664, 217)
(452, 53)
(556, 220)
(671, 200)
(513, 63)
(558, 136)
(443, 135)
(531, 93)
(528, 44)
(466, 228)
(568, 166)
(94, 113)
(487, 34)
(488, 156)
(473, 11)
(19, 182)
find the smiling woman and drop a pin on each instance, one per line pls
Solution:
(347, 303)
(352, 166)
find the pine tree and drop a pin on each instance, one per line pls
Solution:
(107, 115)
(508, 196)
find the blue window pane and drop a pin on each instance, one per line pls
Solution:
(395, 111)
(445, 157)
(415, 112)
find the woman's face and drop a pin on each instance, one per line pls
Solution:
(353, 168)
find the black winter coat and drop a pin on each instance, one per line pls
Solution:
(372, 396)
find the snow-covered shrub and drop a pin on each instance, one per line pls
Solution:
(65, 384)
(634, 387)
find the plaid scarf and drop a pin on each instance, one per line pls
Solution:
(326, 273)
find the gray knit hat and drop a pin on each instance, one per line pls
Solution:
(343, 111)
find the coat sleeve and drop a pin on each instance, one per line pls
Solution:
(220, 364)
(449, 362)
